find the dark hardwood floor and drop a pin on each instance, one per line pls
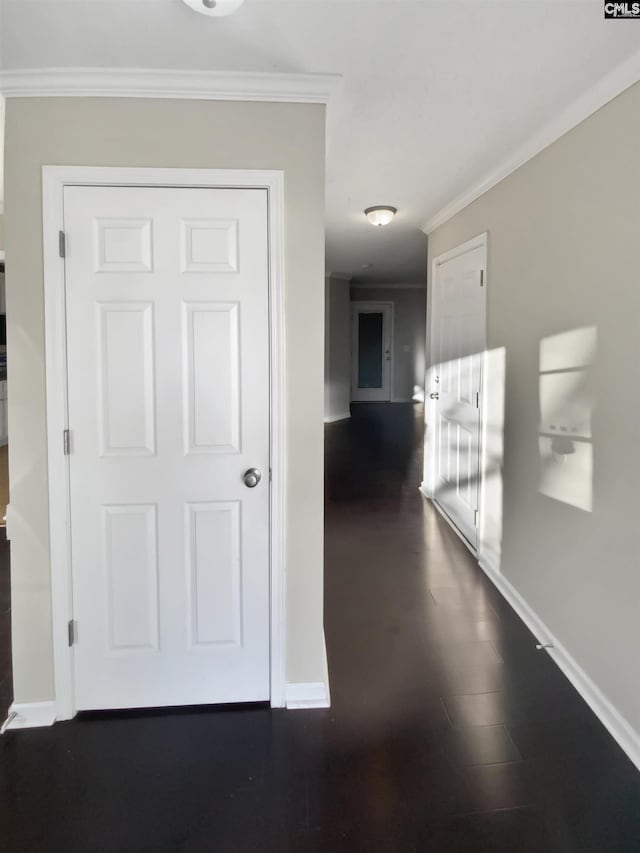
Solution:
(448, 732)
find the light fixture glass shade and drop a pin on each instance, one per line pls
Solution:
(215, 8)
(382, 214)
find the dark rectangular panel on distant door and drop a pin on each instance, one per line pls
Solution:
(370, 330)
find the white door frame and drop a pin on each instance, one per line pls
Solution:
(428, 485)
(54, 180)
(357, 306)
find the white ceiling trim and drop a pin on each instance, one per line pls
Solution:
(608, 88)
(159, 83)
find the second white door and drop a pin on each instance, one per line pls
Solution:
(371, 351)
(168, 398)
(457, 349)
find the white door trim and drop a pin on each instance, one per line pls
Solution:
(54, 180)
(428, 484)
(371, 305)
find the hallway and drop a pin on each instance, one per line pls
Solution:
(448, 732)
(459, 734)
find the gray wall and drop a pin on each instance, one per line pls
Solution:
(337, 391)
(563, 256)
(196, 134)
(409, 334)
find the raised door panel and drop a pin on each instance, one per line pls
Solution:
(130, 552)
(213, 558)
(443, 452)
(210, 245)
(126, 379)
(211, 377)
(466, 476)
(122, 245)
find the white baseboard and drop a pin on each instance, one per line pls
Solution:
(446, 518)
(490, 557)
(326, 671)
(311, 694)
(330, 419)
(626, 736)
(31, 715)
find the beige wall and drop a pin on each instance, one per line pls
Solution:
(409, 320)
(563, 255)
(1, 231)
(196, 134)
(337, 390)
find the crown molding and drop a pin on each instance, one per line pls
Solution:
(163, 83)
(605, 90)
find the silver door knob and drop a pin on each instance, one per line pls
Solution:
(252, 477)
(434, 395)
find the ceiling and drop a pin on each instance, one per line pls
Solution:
(435, 93)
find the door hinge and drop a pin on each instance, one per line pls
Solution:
(66, 441)
(481, 278)
(477, 399)
(62, 244)
(270, 475)
(72, 629)
(475, 518)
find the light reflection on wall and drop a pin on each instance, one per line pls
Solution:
(566, 406)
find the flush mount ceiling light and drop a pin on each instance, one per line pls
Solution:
(381, 214)
(217, 8)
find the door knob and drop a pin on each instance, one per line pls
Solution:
(434, 395)
(252, 477)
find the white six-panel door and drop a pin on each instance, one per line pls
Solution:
(457, 349)
(168, 396)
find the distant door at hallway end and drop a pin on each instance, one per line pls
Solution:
(371, 352)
